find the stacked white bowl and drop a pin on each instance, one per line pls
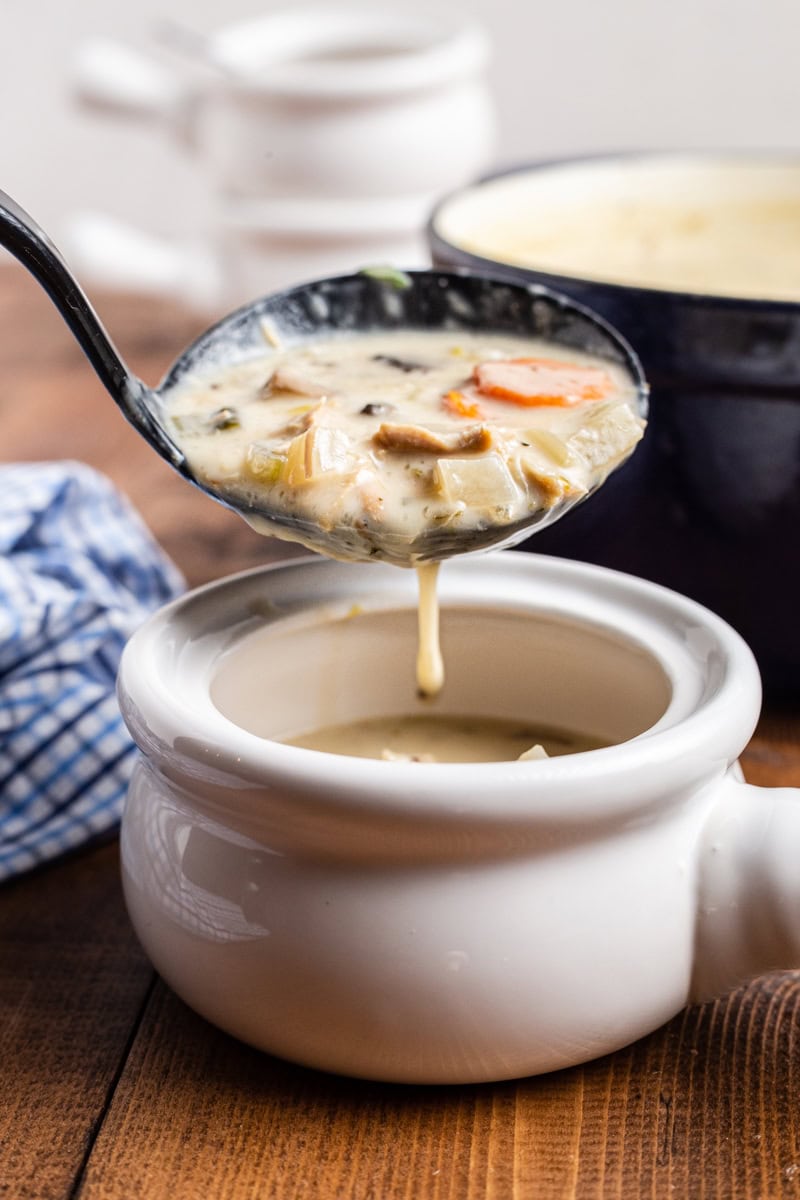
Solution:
(324, 136)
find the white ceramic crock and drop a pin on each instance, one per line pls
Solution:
(442, 922)
(314, 101)
(319, 131)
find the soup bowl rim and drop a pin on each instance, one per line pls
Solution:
(187, 737)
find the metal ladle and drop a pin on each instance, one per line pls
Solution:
(362, 302)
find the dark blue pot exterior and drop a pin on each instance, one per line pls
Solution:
(710, 502)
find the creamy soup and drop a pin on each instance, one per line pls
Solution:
(710, 225)
(736, 249)
(392, 436)
(440, 738)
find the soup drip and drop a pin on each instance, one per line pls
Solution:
(430, 667)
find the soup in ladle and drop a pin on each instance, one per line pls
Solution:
(394, 435)
(445, 473)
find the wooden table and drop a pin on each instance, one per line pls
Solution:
(111, 1087)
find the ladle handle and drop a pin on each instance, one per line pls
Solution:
(21, 235)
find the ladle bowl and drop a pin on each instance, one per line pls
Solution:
(365, 301)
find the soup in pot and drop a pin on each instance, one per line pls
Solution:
(706, 224)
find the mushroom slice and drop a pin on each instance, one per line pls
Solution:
(410, 439)
(287, 378)
(406, 365)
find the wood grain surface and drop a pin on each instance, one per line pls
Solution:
(111, 1089)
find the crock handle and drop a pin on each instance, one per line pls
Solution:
(748, 915)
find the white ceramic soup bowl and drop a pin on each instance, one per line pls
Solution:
(437, 922)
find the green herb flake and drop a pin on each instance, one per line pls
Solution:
(391, 275)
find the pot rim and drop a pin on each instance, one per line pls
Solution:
(443, 249)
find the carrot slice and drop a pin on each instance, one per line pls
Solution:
(457, 404)
(534, 381)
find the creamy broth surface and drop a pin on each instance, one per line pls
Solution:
(387, 437)
(394, 433)
(443, 738)
(734, 249)
(713, 224)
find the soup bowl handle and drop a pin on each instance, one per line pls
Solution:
(748, 911)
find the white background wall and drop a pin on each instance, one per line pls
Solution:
(568, 75)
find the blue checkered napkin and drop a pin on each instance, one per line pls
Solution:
(78, 573)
